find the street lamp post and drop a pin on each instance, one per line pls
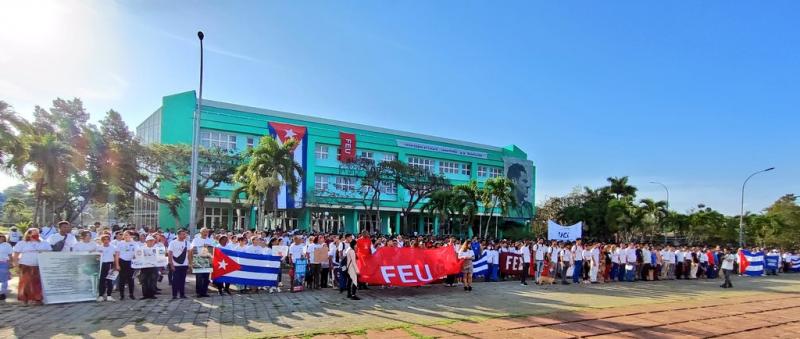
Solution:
(662, 224)
(741, 214)
(195, 148)
(80, 209)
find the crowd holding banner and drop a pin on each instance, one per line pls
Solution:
(70, 266)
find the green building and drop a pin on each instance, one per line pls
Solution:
(235, 127)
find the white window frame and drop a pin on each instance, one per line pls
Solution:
(321, 151)
(321, 182)
(449, 167)
(251, 142)
(346, 184)
(388, 157)
(389, 187)
(466, 169)
(223, 140)
(495, 172)
(365, 154)
(420, 162)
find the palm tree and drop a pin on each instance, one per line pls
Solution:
(12, 149)
(270, 167)
(654, 211)
(619, 187)
(441, 202)
(12, 209)
(497, 192)
(467, 198)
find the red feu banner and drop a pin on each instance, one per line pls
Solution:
(407, 266)
(347, 147)
(510, 263)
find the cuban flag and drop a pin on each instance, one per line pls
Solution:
(750, 263)
(795, 263)
(283, 132)
(480, 266)
(245, 268)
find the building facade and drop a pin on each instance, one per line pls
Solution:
(328, 198)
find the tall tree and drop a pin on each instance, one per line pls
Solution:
(267, 168)
(496, 192)
(468, 201)
(619, 187)
(418, 182)
(441, 203)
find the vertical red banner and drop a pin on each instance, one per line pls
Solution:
(347, 147)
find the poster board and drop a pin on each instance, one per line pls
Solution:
(201, 259)
(320, 255)
(69, 277)
(299, 274)
(145, 257)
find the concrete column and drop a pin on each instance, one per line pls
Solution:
(436, 225)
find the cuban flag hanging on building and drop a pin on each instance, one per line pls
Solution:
(751, 263)
(282, 132)
(245, 268)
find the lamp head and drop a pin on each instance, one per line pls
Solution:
(200, 35)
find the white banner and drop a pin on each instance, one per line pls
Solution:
(564, 233)
(69, 277)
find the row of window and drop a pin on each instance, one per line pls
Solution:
(347, 184)
(321, 153)
(225, 141)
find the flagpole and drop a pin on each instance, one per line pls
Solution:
(195, 148)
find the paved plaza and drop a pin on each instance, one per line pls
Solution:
(761, 307)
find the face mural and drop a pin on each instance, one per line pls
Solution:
(520, 172)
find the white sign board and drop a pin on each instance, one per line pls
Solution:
(69, 277)
(442, 149)
(563, 233)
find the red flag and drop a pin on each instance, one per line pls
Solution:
(347, 147)
(363, 247)
(510, 263)
(407, 266)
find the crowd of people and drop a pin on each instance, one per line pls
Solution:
(545, 262)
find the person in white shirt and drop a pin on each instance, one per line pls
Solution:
(86, 245)
(727, 267)
(63, 240)
(201, 246)
(539, 251)
(315, 264)
(178, 256)
(148, 276)
(108, 260)
(6, 252)
(14, 236)
(554, 248)
(297, 251)
(26, 255)
(466, 254)
(565, 261)
(594, 255)
(125, 252)
(577, 254)
(525, 251)
(647, 263)
(47, 231)
(630, 263)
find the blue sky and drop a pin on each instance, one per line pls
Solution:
(694, 95)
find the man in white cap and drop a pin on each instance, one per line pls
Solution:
(148, 276)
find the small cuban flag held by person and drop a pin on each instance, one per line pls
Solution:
(245, 268)
(751, 263)
(795, 263)
(480, 266)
